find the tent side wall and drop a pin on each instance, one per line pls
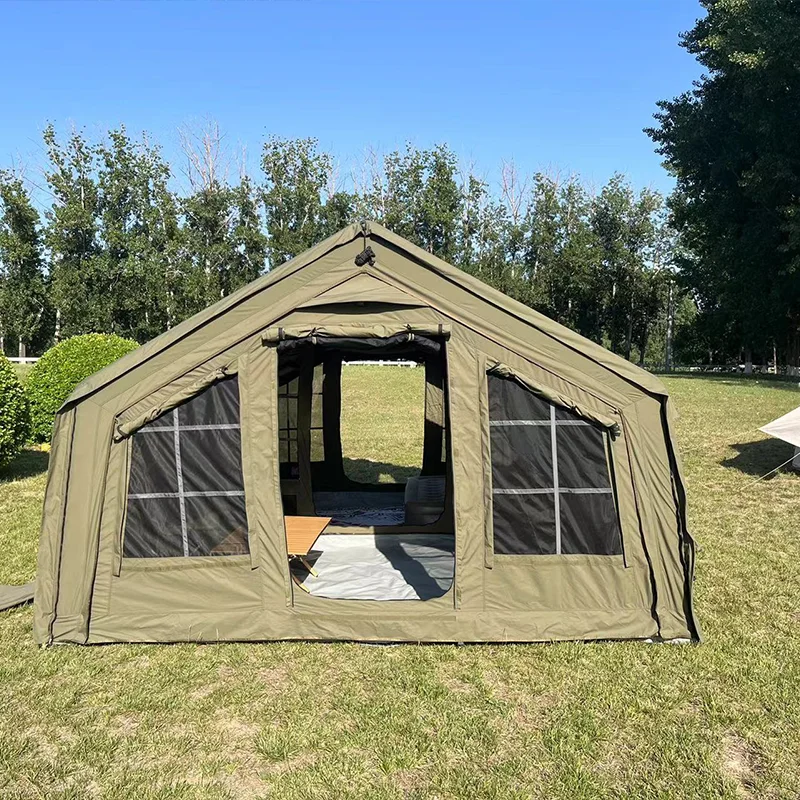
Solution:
(599, 592)
(48, 557)
(656, 483)
(70, 528)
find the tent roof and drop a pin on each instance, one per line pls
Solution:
(786, 427)
(377, 233)
(362, 289)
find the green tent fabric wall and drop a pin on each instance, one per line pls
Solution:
(89, 589)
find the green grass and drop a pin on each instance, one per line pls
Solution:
(383, 422)
(616, 720)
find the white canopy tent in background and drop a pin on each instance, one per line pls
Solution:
(787, 428)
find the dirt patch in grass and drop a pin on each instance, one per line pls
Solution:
(277, 679)
(530, 711)
(741, 763)
(235, 732)
(124, 725)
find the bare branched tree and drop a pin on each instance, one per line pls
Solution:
(207, 161)
(333, 182)
(515, 190)
(242, 161)
(376, 181)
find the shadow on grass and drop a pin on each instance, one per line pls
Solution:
(758, 458)
(361, 470)
(26, 465)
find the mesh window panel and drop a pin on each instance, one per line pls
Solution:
(211, 460)
(317, 423)
(551, 488)
(288, 406)
(287, 413)
(589, 524)
(582, 457)
(186, 494)
(524, 524)
(153, 528)
(217, 405)
(287, 455)
(153, 462)
(217, 526)
(522, 463)
(316, 397)
(508, 400)
(522, 457)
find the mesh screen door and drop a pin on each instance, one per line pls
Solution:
(185, 494)
(551, 485)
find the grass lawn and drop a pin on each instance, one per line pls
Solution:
(621, 720)
(396, 433)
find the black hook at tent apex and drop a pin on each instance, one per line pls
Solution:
(367, 255)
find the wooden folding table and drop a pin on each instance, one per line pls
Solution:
(301, 534)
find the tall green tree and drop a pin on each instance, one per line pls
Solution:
(483, 251)
(296, 174)
(625, 226)
(250, 241)
(206, 246)
(422, 198)
(137, 230)
(562, 254)
(222, 241)
(81, 291)
(23, 291)
(733, 143)
(223, 245)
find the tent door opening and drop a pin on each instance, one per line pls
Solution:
(390, 533)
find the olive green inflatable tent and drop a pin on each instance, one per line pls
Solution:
(549, 504)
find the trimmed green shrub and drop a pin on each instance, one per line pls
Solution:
(62, 368)
(15, 423)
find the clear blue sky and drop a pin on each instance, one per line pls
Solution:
(563, 84)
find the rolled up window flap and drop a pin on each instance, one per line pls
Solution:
(126, 429)
(277, 334)
(546, 393)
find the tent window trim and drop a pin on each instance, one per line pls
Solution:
(611, 432)
(132, 420)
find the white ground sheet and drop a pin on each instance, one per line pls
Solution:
(387, 566)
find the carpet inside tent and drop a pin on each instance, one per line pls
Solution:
(361, 508)
(386, 566)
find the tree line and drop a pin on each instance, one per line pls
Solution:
(119, 249)
(711, 275)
